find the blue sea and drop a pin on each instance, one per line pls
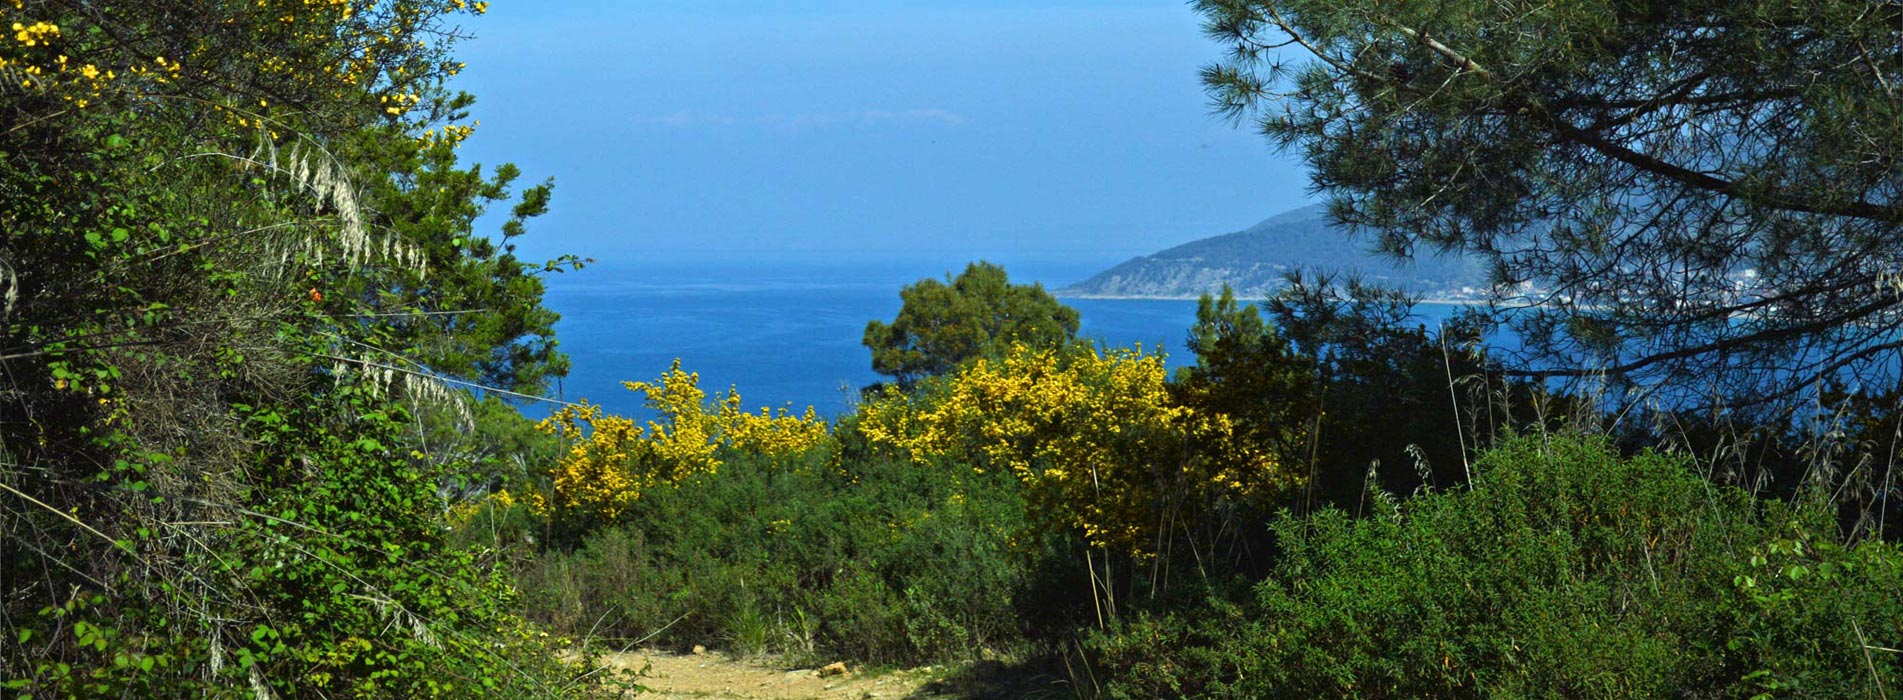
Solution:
(782, 334)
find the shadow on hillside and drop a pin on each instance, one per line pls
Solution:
(1001, 680)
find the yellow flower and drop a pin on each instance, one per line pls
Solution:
(613, 461)
(1094, 437)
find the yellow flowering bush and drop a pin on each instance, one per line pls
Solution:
(41, 52)
(1094, 438)
(612, 460)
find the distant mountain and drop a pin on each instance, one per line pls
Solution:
(1254, 260)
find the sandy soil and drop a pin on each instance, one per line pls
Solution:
(716, 675)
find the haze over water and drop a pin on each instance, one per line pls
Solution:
(784, 334)
(787, 334)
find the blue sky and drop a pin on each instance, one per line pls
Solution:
(749, 131)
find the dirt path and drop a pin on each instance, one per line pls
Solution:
(716, 675)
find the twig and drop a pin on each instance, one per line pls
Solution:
(1460, 431)
(76, 521)
(1865, 643)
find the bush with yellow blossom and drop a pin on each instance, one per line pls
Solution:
(1093, 436)
(612, 460)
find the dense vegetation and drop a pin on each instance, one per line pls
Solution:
(1327, 502)
(1703, 194)
(1563, 571)
(243, 305)
(981, 509)
(942, 324)
(237, 270)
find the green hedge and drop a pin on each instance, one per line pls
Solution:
(856, 555)
(1565, 571)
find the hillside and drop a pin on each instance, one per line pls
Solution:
(1254, 261)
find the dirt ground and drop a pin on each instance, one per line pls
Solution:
(715, 675)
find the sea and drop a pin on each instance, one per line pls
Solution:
(785, 334)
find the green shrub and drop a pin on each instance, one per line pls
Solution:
(1564, 572)
(837, 551)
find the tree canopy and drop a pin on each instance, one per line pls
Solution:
(237, 260)
(1699, 194)
(1246, 370)
(944, 324)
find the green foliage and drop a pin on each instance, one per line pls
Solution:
(484, 445)
(1384, 388)
(832, 552)
(1246, 370)
(1095, 439)
(1391, 404)
(238, 260)
(1564, 571)
(1732, 262)
(944, 324)
(1843, 454)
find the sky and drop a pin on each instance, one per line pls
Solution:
(718, 130)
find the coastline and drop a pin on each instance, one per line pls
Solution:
(1194, 297)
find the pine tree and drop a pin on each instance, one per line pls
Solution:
(1697, 194)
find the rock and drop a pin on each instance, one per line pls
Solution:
(836, 668)
(797, 673)
(698, 650)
